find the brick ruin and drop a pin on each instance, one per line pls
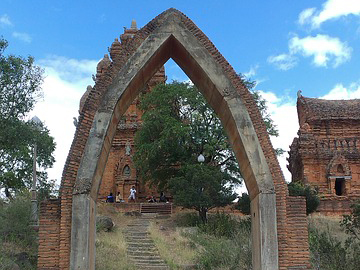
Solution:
(67, 224)
(326, 153)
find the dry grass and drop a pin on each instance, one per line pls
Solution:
(330, 224)
(173, 246)
(111, 246)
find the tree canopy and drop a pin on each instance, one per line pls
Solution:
(178, 126)
(20, 88)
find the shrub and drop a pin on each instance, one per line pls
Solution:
(224, 225)
(18, 243)
(311, 195)
(15, 221)
(226, 243)
(243, 204)
(189, 219)
(329, 253)
(351, 223)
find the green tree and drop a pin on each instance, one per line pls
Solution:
(178, 125)
(243, 204)
(201, 187)
(311, 195)
(20, 88)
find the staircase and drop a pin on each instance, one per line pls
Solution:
(141, 248)
(158, 208)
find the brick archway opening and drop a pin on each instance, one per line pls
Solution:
(173, 35)
(197, 63)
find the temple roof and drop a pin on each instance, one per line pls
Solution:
(322, 109)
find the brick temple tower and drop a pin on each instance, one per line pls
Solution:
(120, 172)
(326, 154)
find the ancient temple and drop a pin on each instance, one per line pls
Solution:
(326, 153)
(120, 172)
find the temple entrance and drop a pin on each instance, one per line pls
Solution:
(340, 186)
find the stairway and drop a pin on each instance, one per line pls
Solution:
(141, 248)
(159, 208)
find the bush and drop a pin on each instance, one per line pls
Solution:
(224, 225)
(15, 221)
(243, 204)
(329, 253)
(226, 243)
(311, 195)
(351, 223)
(18, 240)
(190, 219)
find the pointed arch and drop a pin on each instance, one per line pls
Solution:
(338, 166)
(118, 81)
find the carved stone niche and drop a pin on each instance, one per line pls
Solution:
(339, 176)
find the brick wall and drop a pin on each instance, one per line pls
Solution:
(297, 238)
(49, 228)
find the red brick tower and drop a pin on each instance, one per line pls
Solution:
(120, 172)
(326, 154)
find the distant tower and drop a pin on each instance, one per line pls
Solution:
(120, 173)
(326, 154)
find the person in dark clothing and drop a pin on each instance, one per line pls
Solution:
(162, 197)
(110, 198)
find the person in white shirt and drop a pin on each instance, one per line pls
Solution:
(132, 194)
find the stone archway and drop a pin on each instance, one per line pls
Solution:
(173, 35)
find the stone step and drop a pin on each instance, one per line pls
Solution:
(143, 253)
(158, 267)
(150, 259)
(148, 262)
(137, 236)
(151, 267)
(141, 248)
(133, 241)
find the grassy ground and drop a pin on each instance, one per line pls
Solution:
(330, 224)
(211, 247)
(111, 246)
(176, 249)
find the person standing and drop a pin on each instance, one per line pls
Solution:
(132, 194)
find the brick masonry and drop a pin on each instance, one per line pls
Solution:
(49, 224)
(107, 69)
(120, 172)
(326, 153)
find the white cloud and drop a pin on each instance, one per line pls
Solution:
(62, 94)
(283, 61)
(323, 48)
(341, 92)
(5, 20)
(251, 72)
(22, 36)
(331, 9)
(284, 114)
(306, 15)
(71, 70)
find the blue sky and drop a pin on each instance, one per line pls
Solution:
(283, 45)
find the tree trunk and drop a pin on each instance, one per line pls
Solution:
(203, 214)
(7, 193)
